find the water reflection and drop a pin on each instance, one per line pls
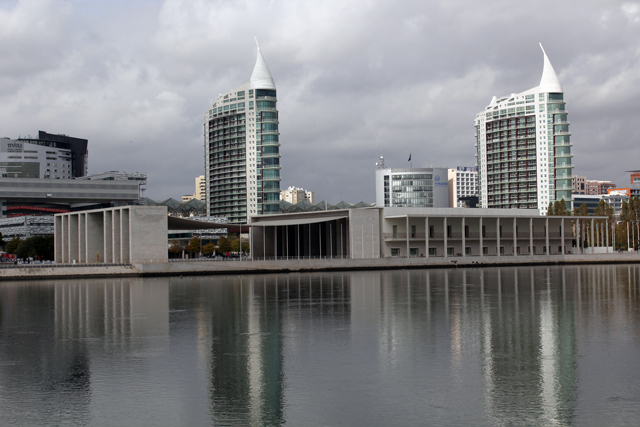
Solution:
(495, 346)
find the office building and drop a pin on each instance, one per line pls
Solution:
(295, 195)
(578, 184)
(47, 156)
(524, 149)
(582, 185)
(412, 187)
(242, 149)
(463, 182)
(598, 187)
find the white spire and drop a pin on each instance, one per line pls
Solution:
(549, 81)
(261, 76)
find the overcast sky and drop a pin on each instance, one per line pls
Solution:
(135, 78)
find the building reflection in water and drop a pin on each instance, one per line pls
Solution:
(249, 318)
(47, 331)
(518, 326)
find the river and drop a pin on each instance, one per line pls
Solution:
(448, 347)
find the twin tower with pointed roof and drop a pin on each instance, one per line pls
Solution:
(242, 149)
(524, 149)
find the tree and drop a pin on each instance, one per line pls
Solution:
(2, 242)
(583, 210)
(43, 246)
(25, 249)
(175, 247)
(558, 208)
(224, 245)
(13, 245)
(551, 211)
(209, 248)
(194, 245)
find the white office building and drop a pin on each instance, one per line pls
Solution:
(412, 187)
(524, 149)
(463, 182)
(21, 159)
(242, 149)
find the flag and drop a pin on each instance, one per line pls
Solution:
(409, 157)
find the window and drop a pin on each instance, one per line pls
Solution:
(413, 252)
(432, 251)
(395, 251)
(395, 231)
(413, 231)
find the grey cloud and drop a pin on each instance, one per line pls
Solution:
(412, 73)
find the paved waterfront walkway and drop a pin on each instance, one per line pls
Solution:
(49, 271)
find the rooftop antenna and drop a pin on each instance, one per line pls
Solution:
(380, 162)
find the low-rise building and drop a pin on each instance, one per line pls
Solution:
(374, 232)
(26, 226)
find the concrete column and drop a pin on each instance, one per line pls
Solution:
(108, 236)
(606, 236)
(464, 240)
(592, 248)
(579, 235)
(426, 236)
(407, 234)
(58, 239)
(82, 238)
(65, 238)
(515, 238)
(562, 235)
(74, 238)
(530, 236)
(444, 222)
(117, 236)
(547, 236)
(498, 237)
(481, 238)
(125, 235)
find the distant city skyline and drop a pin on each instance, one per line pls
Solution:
(134, 78)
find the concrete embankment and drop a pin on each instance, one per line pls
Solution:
(294, 265)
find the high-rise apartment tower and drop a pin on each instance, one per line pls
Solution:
(523, 148)
(242, 149)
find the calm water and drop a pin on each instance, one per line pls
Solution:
(511, 346)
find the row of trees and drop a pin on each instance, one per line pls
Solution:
(624, 230)
(225, 245)
(37, 247)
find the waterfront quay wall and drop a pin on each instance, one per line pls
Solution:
(209, 267)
